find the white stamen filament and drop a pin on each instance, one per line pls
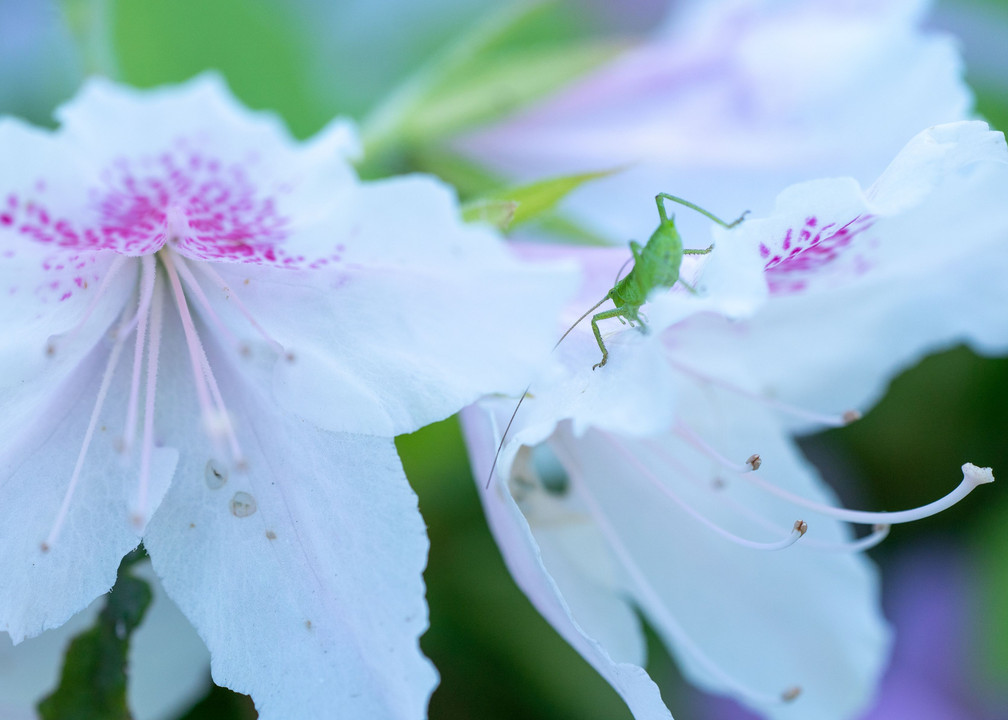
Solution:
(103, 388)
(697, 442)
(215, 416)
(845, 418)
(115, 266)
(147, 281)
(153, 353)
(194, 287)
(972, 477)
(233, 297)
(655, 607)
(797, 531)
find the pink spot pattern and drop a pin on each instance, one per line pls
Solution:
(193, 202)
(812, 250)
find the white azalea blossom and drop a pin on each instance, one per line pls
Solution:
(730, 101)
(211, 334)
(666, 482)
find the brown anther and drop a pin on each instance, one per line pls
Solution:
(850, 416)
(791, 693)
(44, 547)
(754, 461)
(801, 526)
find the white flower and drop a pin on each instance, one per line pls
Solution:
(210, 335)
(639, 486)
(730, 101)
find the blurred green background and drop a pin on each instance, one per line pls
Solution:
(497, 657)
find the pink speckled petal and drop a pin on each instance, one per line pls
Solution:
(422, 315)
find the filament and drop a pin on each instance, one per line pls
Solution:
(697, 442)
(972, 477)
(232, 296)
(147, 281)
(153, 352)
(117, 264)
(64, 508)
(844, 418)
(194, 287)
(798, 530)
(654, 606)
(214, 412)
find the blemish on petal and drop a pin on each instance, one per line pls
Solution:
(270, 535)
(216, 474)
(242, 505)
(308, 624)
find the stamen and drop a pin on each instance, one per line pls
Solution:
(972, 477)
(116, 265)
(215, 415)
(106, 381)
(796, 533)
(880, 532)
(231, 295)
(653, 605)
(697, 442)
(148, 276)
(153, 353)
(194, 287)
(844, 418)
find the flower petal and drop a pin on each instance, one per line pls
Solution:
(302, 572)
(601, 627)
(167, 662)
(922, 269)
(41, 589)
(731, 102)
(740, 621)
(422, 315)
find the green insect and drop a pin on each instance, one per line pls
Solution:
(656, 265)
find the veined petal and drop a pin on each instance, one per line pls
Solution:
(416, 320)
(302, 571)
(740, 621)
(867, 283)
(605, 631)
(40, 589)
(731, 101)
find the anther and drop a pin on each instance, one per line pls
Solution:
(851, 416)
(754, 461)
(697, 442)
(791, 693)
(801, 527)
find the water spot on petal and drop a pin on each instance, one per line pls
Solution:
(216, 474)
(242, 504)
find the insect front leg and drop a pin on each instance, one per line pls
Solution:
(614, 313)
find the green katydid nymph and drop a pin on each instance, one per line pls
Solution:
(656, 265)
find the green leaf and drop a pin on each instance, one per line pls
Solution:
(512, 58)
(515, 205)
(93, 683)
(499, 86)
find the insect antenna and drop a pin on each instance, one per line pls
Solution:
(500, 445)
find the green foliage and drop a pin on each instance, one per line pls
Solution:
(511, 59)
(93, 682)
(252, 42)
(518, 204)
